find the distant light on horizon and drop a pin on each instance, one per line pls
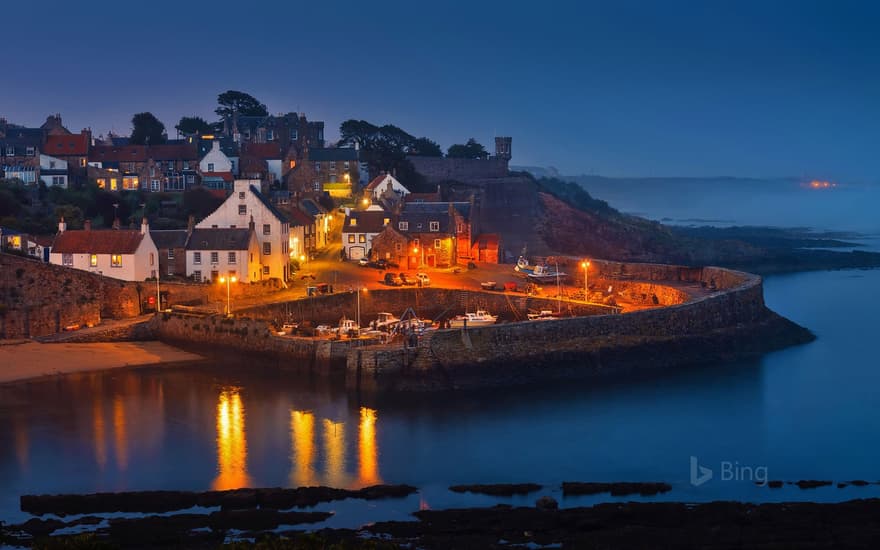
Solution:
(819, 184)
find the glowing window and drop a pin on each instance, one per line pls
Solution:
(116, 260)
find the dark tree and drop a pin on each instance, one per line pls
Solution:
(191, 125)
(231, 102)
(147, 130)
(426, 148)
(470, 150)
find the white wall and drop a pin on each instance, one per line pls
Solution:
(216, 157)
(247, 265)
(135, 267)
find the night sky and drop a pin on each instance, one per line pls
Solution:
(702, 88)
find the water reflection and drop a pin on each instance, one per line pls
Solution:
(120, 436)
(334, 447)
(231, 442)
(302, 434)
(369, 463)
(98, 437)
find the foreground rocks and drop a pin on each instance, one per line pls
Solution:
(648, 488)
(498, 489)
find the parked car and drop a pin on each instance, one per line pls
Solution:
(381, 263)
(392, 279)
(407, 279)
(364, 262)
(423, 279)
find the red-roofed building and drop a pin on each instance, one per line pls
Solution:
(268, 154)
(73, 148)
(127, 254)
(157, 168)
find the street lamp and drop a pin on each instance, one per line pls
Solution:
(158, 294)
(228, 280)
(359, 310)
(586, 265)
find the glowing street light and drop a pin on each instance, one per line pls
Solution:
(228, 281)
(586, 265)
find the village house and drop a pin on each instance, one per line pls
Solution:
(53, 171)
(320, 238)
(439, 232)
(331, 170)
(227, 252)
(359, 229)
(171, 244)
(286, 129)
(155, 168)
(127, 254)
(393, 246)
(302, 234)
(272, 227)
(216, 168)
(74, 149)
(268, 156)
(385, 185)
(20, 152)
(487, 248)
(226, 145)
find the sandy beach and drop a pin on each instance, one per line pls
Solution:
(22, 361)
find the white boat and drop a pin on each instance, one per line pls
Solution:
(346, 326)
(543, 315)
(384, 321)
(541, 273)
(479, 319)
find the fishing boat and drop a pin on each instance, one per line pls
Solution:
(384, 321)
(481, 318)
(540, 273)
(543, 315)
(347, 326)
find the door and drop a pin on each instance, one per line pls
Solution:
(356, 253)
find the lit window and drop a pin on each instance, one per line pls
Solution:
(351, 238)
(267, 248)
(434, 226)
(362, 238)
(82, 162)
(215, 257)
(242, 209)
(353, 222)
(267, 229)
(231, 259)
(437, 243)
(93, 260)
(403, 226)
(197, 258)
(386, 221)
(113, 185)
(116, 260)
(152, 260)
(67, 259)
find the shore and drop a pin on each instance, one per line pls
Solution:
(26, 359)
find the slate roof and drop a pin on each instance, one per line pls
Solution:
(277, 213)
(419, 216)
(327, 154)
(264, 151)
(73, 144)
(311, 208)
(219, 238)
(298, 217)
(20, 139)
(368, 221)
(113, 153)
(227, 145)
(105, 241)
(182, 151)
(170, 238)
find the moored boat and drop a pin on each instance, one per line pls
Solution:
(479, 319)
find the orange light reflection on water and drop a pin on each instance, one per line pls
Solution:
(302, 435)
(367, 449)
(231, 443)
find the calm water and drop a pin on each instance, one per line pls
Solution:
(805, 412)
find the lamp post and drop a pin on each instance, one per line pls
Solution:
(586, 265)
(359, 310)
(228, 281)
(158, 294)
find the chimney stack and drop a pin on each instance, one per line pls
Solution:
(116, 223)
(87, 225)
(190, 224)
(145, 226)
(251, 224)
(62, 226)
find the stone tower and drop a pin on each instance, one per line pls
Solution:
(502, 147)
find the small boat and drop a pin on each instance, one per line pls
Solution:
(488, 285)
(384, 321)
(346, 326)
(481, 318)
(543, 315)
(540, 273)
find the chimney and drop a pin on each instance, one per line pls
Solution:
(62, 226)
(190, 224)
(116, 223)
(87, 225)
(251, 224)
(145, 226)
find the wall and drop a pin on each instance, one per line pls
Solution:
(438, 169)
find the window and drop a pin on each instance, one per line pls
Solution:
(362, 238)
(130, 183)
(190, 179)
(267, 229)
(10, 151)
(398, 247)
(93, 260)
(316, 186)
(197, 258)
(197, 276)
(113, 184)
(152, 171)
(317, 167)
(231, 258)
(57, 180)
(82, 162)
(152, 259)
(186, 165)
(67, 259)
(386, 221)
(155, 186)
(435, 226)
(242, 209)
(265, 270)
(30, 151)
(210, 167)
(116, 260)
(241, 195)
(293, 135)
(416, 243)
(353, 222)
(215, 257)
(267, 248)
(403, 226)
(170, 269)
(270, 135)
(437, 243)
(51, 164)
(102, 183)
(346, 165)
(170, 253)
(351, 238)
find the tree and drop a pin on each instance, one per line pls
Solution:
(470, 150)
(147, 130)
(231, 102)
(425, 147)
(190, 125)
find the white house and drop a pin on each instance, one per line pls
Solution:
(127, 254)
(359, 229)
(215, 160)
(386, 184)
(212, 253)
(53, 171)
(272, 227)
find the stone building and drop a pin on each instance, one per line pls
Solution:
(442, 169)
(171, 245)
(439, 232)
(393, 246)
(334, 170)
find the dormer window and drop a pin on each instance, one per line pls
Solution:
(434, 226)
(30, 151)
(403, 226)
(353, 222)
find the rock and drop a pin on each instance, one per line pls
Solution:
(811, 483)
(859, 482)
(775, 484)
(646, 488)
(546, 503)
(498, 489)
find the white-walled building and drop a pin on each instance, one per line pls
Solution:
(53, 171)
(215, 160)
(359, 229)
(272, 227)
(127, 254)
(386, 184)
(214, 253)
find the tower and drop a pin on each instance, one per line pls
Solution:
(502, 147)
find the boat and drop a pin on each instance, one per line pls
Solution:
(540, 273)
(481, 318)
(346, 326)
(384, 321)
(543, 315)
(488, 285)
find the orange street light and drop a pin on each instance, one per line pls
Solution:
(586, 265)
(228, 280)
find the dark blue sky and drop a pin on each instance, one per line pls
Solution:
(768, 88)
